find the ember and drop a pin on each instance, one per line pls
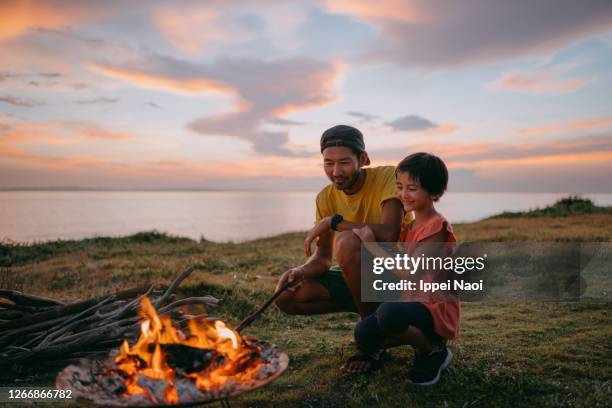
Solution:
(168, 365)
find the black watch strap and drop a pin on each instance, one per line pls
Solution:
(335, 220)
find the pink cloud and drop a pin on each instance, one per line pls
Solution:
(402, 10)
(539, 82)
(99, 132)
(447, 33)
(190, 28)
(565, 127)
(17, 17)
(474, 155)
(191, 85)
(56, 133)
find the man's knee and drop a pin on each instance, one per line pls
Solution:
(286, 303)
(347, 247)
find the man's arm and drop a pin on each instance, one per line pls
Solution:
(315, 266)
(387, 231)
(321, 260)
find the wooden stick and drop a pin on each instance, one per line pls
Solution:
(25, 299)
(63, 310)
(164, 298)
(22, 308)
(205, 300)
(247, 322)
(66, 324)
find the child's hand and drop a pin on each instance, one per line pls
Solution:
(365, 233)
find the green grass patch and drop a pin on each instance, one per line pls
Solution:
(567, 206)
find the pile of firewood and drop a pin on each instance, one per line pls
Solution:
(37, 331)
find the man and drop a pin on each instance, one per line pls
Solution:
(357, 196)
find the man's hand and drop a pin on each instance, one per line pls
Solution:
(322, 228)
(295, 275)
(365, 233)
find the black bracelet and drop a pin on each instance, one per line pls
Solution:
(335, 220)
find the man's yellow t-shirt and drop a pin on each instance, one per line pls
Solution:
(365, 206)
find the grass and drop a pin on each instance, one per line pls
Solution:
(509, 354)
(572, 205)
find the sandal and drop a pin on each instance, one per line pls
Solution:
(363, 363)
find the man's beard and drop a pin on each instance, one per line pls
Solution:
(352, 181)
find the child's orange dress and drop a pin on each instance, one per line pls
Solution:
(446, 315)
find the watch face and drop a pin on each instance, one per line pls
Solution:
(336, 219)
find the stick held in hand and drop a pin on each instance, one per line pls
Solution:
(247, 322)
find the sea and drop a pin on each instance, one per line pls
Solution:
(222, 216)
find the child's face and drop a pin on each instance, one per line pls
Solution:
(413, 196)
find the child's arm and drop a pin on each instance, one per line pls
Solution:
(368, 238)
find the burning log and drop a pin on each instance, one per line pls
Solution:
(32, 327)
(169, 366)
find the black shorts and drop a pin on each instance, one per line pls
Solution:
(336, 286)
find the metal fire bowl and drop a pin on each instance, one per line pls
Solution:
(83, 378)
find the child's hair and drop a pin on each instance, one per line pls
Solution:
(429, 170)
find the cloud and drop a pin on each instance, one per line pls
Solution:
(5, 75)
(21, 16)
(284, 122)
(101, 100)
(38, 83)
(57, 132)
(577, 178)
(581, 149)
(364, 117)
(415, 123)
(100, 132)
(382, 10)
(565, 127)
(51, 74)
(48, 162)
(450, 33)
(190, 28)
(271, 89)
(538, 82)
(26, 103)
(77, 86)
(411, 122)
(32, 133)
(187, 82)
(263, 90)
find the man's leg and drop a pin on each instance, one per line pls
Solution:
(311, 297)
(347, 250)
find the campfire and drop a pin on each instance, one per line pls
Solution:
(169, 365)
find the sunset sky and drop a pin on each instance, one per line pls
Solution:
(513, 95)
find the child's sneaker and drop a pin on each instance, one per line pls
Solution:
(427, 368)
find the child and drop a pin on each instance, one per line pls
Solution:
(421, 180)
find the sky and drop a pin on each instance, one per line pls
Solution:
(515, 96)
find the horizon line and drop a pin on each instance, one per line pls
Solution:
(169, 189)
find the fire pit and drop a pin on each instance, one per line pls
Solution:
(168, 366)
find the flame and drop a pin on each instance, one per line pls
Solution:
(234, 355)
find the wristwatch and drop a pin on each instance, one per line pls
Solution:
(335, 220)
